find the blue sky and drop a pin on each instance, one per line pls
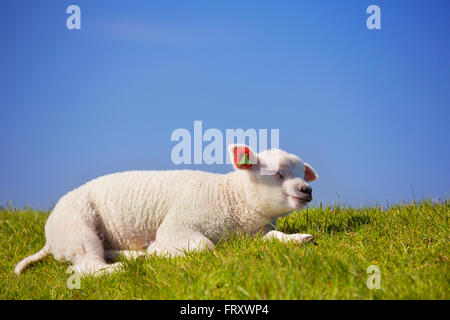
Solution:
(368, 109)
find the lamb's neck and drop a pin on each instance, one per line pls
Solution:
(240, 195)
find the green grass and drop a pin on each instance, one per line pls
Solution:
(409, 243)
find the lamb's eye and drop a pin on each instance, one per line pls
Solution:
(279, 174)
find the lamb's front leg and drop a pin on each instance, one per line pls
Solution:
(176, 242)
(297, 237)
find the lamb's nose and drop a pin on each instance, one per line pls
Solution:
(306, 189)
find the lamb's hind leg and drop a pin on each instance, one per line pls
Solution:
(90, 260)
(94, 267)
(76, 240)
(112, 255)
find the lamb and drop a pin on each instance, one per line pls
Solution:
(173, 212)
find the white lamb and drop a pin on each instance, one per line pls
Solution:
(172, 212)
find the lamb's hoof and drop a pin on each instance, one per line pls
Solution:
(98, 269)
(308, 238)
(303, 238)
(109, 269)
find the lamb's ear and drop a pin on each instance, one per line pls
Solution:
(310, 174)
(242, 156)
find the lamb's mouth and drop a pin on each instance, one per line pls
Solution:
(304, 200)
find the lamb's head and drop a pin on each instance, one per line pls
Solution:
(279, 179)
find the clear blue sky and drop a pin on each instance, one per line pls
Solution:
(368, 109)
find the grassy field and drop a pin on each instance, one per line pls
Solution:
(409, 243)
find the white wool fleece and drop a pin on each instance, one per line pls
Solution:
(173, 211)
